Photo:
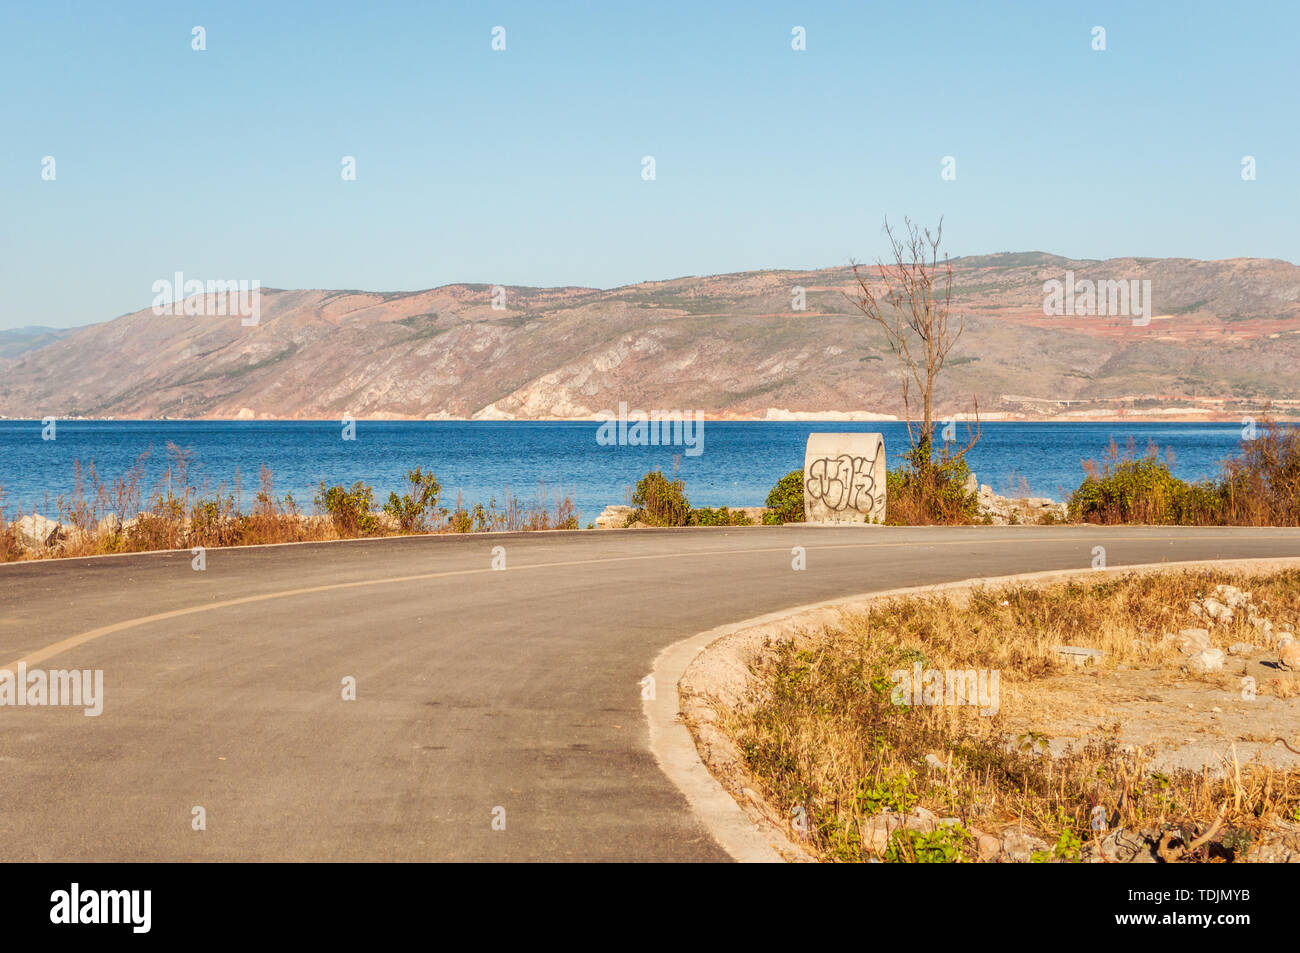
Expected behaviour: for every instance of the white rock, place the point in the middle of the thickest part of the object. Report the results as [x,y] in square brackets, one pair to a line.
[1233,596]
[613,517]
[1217,610]
[1210,660]
[37,532]
[877,831]
[1191,641]
[1018,845]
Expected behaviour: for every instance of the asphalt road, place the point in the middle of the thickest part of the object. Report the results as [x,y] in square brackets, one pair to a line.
[476,689]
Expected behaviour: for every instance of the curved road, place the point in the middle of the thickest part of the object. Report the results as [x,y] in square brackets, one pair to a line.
[476,689]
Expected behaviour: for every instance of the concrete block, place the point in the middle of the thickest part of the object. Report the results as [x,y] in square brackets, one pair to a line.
[844,478]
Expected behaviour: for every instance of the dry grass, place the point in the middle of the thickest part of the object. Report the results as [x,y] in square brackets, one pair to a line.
[124,515]
[825,734]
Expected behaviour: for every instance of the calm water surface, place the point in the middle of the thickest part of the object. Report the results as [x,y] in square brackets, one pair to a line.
[481,459]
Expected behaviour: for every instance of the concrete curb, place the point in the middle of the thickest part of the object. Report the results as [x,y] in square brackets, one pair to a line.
[675,747]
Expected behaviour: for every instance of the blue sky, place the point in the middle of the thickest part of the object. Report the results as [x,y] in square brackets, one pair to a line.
[524,166]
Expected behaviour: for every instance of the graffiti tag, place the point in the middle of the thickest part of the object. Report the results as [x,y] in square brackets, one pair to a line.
[844,482]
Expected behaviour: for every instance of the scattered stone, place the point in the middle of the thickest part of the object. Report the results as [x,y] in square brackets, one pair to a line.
[613,517]
[877,832]
[1242,648]
[1232,596]
[1289,656]
[986,845]
[1217,611]
[1210,660]
[1120,846]
[1005,510]
[76,536]
[1274,850]
[1019,846]
[1192,641]
[1079,655]
[38,532]
[934,763]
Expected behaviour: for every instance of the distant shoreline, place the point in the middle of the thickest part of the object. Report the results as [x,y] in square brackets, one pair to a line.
[830,417]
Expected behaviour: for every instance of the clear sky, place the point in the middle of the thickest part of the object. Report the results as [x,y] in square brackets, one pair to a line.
[524,166]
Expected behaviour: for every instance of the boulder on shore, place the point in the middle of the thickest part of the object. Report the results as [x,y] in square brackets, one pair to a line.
[38,532]
[1003,510]
[613,517]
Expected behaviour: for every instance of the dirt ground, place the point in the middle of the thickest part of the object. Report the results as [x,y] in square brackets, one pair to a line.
[1182,720]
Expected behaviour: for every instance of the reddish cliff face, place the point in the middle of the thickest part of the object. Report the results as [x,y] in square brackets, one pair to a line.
[725,345]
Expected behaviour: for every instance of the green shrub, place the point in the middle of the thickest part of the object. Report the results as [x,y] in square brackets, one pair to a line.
[413,510]
[351,510]
[707,516]
[213,522]
[461,520]
[1258,487]
[658,501]
[1125,489]
[785,500]
[943,845]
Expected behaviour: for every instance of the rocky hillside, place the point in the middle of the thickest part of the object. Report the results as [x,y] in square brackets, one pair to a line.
[726,345]
[16,341]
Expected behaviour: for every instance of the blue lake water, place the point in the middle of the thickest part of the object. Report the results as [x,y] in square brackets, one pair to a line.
[739,463]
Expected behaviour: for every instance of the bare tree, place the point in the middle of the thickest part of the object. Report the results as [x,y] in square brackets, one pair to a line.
[912,300]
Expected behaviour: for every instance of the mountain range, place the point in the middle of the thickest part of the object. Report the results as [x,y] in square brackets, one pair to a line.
[1224,338]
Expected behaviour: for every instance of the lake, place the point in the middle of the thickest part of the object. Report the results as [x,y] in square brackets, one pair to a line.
[738,464]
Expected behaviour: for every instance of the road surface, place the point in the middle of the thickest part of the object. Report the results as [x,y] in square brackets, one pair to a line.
[509,696]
